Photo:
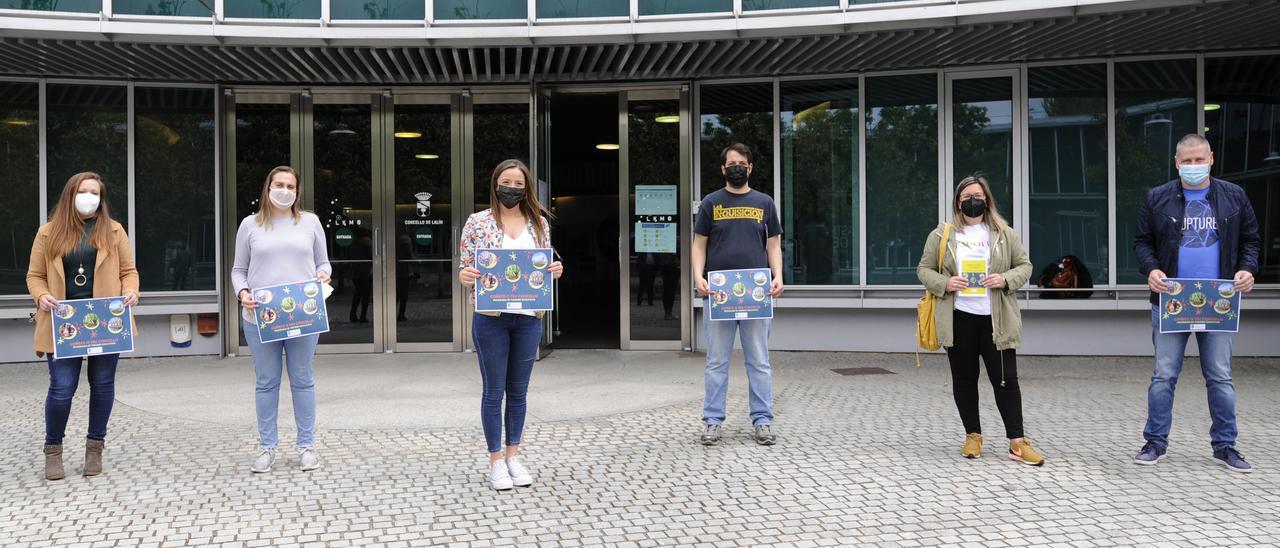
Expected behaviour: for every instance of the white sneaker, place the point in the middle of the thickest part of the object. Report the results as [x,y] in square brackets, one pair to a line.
[266,458]
[308,460]
[519,476]
[499,477]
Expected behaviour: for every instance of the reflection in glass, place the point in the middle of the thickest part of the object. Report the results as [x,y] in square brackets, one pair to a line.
[1067,110]
[1155,106]
[89,131]
[501,132]
[481,9]
[819,129]
[551,9]
[902,174]
[1242,119]
[186,8]
[20,213]
[343,190]
[78,6]
[273,9]
[982,135]
[667,7]
[736,113]
[423,224]
[262,143]
[174,189]
[406,10]
[752,5]
[653,159]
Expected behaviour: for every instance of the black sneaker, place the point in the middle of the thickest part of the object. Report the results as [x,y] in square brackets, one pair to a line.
[710,434]
[764,436]
[1232,459]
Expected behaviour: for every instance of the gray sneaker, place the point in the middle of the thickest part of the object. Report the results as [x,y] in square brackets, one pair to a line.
[710,434]
[764,435]
[266,458]
[308,460]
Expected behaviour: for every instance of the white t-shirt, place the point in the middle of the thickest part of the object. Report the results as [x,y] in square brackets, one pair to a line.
[523,241]
[973,243]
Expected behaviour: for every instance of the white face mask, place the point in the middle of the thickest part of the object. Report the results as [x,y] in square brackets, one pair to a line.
[87,203]
[282,197]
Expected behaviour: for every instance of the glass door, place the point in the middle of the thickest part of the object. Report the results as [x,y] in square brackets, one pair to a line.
[654,180]
[422,180]
[984,135]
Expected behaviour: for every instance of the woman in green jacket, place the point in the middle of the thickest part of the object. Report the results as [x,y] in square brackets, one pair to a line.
[977,315]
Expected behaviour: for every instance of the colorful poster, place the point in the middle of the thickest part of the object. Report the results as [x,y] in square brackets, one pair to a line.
[514,280]
[740,294]
[1199,305]
[89,327]
[656,199]
[289,311]
[973,270]
[655,237]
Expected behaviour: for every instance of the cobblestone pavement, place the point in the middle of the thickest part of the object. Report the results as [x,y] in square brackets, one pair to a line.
[861,460]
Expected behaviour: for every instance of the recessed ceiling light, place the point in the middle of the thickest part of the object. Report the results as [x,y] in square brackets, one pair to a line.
[408,134]
[18,122]
[667,119]
[607,146]
[1212,106]
[427,156]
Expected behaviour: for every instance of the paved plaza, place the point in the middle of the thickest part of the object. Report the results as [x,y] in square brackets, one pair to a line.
[611,440]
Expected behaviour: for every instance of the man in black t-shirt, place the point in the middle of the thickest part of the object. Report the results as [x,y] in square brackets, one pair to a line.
[736,228]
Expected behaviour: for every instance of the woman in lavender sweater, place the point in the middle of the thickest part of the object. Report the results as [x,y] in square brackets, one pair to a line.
[277,245]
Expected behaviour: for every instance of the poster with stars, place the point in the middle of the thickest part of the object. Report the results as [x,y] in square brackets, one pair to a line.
[1199,305]
[89,327]
[289,311]
[514,280]
[740,294]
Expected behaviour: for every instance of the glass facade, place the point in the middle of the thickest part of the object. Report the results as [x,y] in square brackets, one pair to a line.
[20,214]
[1242,97]
[402,10]
[272,9]
[982,135]
[185,8]
[79,6]
[753,5]
[174,189]
[820,160]
[88,130]
[902,174]
[481,9]
[672,7]
[1155,106]
[556,9]
[1067,114]
[736,113]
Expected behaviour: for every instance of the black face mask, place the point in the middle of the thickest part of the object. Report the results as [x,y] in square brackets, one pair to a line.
[973,207]
[736,175]
[510,196]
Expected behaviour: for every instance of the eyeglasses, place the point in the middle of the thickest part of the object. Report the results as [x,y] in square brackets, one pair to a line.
[731,164]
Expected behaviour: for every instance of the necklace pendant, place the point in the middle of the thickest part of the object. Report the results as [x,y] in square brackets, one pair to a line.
[80,278]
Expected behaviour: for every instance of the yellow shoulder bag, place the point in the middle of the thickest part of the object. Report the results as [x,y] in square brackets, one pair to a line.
[926,328]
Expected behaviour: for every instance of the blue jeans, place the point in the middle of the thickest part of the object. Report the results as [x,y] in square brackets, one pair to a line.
[267,364]
[506,347]
[1215,363]
[64,377]
[755,348]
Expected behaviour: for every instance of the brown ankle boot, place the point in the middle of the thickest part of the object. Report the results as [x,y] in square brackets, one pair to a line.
[93,457]
[53,462]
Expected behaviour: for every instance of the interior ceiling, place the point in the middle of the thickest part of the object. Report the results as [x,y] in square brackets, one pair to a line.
[1224,26]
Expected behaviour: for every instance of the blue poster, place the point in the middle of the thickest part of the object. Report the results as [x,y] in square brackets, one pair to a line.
[288,311]
[514,279]
[89,327]
[1199,305]
[740,294]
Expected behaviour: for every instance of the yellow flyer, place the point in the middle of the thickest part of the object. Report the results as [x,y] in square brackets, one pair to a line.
[973,270]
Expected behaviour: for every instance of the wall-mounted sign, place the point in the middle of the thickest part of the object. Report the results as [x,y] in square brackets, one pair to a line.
[656,200]
[655,237]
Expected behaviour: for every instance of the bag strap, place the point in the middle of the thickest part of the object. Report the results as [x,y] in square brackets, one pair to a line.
[942,245]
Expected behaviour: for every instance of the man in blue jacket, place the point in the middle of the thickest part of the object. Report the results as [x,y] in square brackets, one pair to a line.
[1195,227]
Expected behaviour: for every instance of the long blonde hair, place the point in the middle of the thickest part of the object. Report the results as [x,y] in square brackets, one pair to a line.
[992,216]
[531,208]
[265,206]
[65,225]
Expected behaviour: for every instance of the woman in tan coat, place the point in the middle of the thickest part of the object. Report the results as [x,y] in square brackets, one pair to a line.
[977,316]
[81,253]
